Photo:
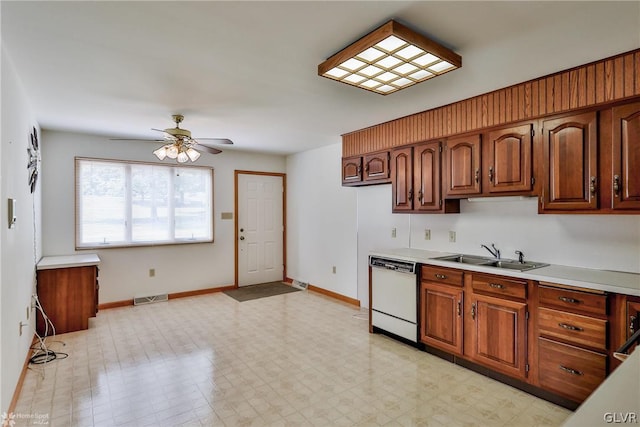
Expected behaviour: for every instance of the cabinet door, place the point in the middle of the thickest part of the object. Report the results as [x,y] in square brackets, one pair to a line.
[570,163]
[426,176]
[626,157]
[351,170]
[402,180]
[462,166]
[376,167]
[508,166]
[499,336]
[441,316]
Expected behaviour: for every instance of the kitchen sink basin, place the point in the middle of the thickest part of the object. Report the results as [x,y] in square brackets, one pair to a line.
[508,264]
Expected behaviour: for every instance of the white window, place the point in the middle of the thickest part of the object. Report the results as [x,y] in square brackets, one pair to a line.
[136,204]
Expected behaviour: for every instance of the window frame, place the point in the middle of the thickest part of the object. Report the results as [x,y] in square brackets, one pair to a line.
[79,246]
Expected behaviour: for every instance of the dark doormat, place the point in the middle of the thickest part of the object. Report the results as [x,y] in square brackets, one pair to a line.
[247,293]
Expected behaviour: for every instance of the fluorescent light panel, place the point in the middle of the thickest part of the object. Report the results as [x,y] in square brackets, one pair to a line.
[388,59]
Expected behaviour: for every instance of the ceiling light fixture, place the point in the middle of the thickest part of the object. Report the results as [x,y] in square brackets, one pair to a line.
[388,59]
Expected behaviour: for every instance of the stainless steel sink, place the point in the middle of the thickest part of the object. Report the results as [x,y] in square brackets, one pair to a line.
[508,264]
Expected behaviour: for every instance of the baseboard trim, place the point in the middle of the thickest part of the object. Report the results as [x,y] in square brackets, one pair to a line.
[18,390]
[128,302]
[334,295]
[200,292]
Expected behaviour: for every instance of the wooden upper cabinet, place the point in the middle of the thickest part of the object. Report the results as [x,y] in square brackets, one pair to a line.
[426,176]
[402,179]
[626,157]
[462,166]
[376,166]
[365,170]
[351,170]
[570,162]
[508,161]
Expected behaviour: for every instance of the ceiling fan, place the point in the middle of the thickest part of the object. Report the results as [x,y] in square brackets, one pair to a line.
[180,145]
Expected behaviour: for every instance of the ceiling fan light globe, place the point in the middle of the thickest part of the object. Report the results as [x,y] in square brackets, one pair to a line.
[182,157]
[161,153]
[193,154]
[172,151]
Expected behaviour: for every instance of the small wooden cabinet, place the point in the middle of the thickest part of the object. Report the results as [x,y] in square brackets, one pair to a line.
[494,163]
[68,293]
[371,168]
[625,153]
[572,341]
[570,163]
[508,167]
[441,297]
[497,324]
[462,166]
[416,180]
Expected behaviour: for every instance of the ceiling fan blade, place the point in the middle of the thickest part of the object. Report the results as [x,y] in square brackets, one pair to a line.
[136,139]
[158,130]
[210,150]
[216,140]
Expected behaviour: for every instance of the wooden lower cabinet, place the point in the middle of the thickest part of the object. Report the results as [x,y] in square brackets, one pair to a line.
[69,297]
[573,340]
[498,334]
[441,316]
[570,371]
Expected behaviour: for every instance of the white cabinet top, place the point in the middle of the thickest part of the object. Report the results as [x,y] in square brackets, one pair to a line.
[602,280]
[64,261]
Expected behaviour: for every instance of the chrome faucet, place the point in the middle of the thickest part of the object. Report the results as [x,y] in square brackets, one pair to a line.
[495,252]
[520,257]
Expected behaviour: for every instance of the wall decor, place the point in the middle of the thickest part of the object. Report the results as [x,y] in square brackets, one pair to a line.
[33,151]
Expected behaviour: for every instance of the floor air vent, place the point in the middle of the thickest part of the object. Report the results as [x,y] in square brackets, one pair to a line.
[150,299]
[300,285]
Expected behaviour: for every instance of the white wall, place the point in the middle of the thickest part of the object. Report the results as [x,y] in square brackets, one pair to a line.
[591,241]
[321,222]
[124,273]
[20,246]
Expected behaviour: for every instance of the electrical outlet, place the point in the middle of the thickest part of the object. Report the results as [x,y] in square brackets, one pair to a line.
[333,269]
[427,234]
[393,232]
[22,325]
[152,272]
[452,236]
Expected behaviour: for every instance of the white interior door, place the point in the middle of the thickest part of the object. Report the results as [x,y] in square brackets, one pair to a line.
[260,229]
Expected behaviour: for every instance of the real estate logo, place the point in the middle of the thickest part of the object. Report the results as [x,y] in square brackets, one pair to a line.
[8,420]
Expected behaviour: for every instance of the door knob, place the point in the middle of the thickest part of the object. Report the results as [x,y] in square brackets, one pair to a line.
[241,237]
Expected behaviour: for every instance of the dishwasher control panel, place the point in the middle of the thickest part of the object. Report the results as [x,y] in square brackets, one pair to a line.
[393,264]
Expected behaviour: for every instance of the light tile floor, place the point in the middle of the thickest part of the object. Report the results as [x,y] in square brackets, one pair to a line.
[299,359]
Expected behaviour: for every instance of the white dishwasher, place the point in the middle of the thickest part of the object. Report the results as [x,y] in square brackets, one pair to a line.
[394,297]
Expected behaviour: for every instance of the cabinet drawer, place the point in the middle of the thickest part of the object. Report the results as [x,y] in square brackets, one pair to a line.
[570,371]
[574,328]
[442,275]
[499,286]
[574,301]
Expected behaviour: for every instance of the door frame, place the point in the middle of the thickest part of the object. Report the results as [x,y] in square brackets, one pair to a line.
[235,219]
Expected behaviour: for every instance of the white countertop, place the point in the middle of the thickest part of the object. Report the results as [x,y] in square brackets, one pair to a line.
[64,261]
[602,280]
[617,397]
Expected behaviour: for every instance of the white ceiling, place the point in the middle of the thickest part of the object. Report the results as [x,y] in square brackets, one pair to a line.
[248,70]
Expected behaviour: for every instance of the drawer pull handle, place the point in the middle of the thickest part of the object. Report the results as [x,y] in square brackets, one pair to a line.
[496,285]
[571,371]
[571,300]
[570,327]
[441,276]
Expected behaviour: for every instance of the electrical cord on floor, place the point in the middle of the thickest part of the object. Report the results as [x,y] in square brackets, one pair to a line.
[41,353]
